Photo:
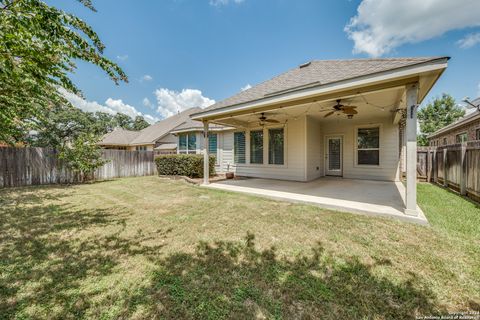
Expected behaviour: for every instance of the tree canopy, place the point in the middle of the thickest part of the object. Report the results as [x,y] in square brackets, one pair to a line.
[439,113]
[39,47]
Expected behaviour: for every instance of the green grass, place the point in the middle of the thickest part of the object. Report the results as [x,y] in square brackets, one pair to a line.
[147,248]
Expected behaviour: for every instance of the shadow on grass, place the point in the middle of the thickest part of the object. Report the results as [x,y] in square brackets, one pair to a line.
[43,263]
[235,280]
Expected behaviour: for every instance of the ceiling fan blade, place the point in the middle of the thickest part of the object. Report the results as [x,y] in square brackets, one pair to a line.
[329,114]
[349,107]
[329,109]
[350,111]
[272,120]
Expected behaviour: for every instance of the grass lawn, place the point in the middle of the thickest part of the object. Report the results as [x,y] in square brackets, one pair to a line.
[151,248]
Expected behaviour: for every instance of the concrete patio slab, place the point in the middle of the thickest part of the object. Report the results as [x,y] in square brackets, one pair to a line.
[379,198]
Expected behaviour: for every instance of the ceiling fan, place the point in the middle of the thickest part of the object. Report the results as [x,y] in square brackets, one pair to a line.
[263,119]
[348,110]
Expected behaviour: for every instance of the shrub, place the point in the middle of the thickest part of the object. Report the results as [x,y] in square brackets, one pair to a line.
[190,165]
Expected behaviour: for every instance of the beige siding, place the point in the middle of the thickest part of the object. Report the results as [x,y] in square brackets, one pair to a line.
[315,165]
[389,155]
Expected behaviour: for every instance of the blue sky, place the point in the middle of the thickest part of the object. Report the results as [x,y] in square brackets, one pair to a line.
[181,53]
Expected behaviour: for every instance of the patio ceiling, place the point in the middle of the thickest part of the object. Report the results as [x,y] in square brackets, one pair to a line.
[377,104]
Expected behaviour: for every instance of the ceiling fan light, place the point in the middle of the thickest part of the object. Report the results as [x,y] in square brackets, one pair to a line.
[350,116]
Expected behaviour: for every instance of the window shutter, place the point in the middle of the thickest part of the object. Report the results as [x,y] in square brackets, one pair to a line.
[239,147]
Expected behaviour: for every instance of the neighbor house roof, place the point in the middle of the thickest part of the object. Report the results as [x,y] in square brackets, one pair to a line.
[167,146]
[194,125]
[315,74]
[119,136]
[148,135]
[163,127]
[472,116]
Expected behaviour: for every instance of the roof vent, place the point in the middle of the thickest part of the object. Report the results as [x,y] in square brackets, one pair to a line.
[304,65]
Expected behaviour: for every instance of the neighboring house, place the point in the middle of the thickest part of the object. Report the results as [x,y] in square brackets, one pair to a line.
[463,130]
[156,137]
[190,140]
[345,118]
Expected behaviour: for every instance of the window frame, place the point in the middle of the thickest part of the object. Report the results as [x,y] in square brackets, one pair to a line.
[461,134]
[268,145]
[187,150]
[265,164]
[245,134]
[216,154]
[250,147]
[380,145]
[477,134]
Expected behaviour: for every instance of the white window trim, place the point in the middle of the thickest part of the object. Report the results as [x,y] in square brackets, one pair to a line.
[380,146]
[265,163]
[187,150]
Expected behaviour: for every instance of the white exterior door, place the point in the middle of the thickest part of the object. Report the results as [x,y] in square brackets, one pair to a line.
[334,156]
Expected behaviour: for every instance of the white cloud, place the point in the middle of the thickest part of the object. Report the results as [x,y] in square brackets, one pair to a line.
[147,77]
[382,25]
[217,3]
[146,102]
[122,57]
[111,106]
[171,102]
[469,40]
[248,86]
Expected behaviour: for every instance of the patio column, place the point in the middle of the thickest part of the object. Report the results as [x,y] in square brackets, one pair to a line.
[411,152]
[206,171]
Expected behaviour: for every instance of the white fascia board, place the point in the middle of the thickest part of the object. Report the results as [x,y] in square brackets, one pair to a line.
[323,89]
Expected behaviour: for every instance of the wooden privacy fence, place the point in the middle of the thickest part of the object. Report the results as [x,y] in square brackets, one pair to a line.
[36,166]
[454,166]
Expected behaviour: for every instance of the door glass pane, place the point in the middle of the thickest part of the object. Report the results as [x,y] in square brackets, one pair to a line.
[334,154]
[256,146]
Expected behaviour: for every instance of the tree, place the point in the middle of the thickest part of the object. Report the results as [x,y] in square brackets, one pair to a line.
[123,121]
[139,123]
[436,115]
[38,48]
[82,155]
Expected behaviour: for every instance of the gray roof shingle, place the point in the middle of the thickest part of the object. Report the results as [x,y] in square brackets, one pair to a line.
[316,73]
[119,136]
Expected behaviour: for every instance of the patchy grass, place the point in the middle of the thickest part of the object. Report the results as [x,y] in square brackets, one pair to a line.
[151,248]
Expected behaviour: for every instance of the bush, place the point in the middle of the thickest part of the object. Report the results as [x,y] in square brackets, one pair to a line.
[190,165]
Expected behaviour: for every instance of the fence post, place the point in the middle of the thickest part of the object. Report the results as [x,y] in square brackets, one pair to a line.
[463,170]
[435,165]
[429,165]
[445,173]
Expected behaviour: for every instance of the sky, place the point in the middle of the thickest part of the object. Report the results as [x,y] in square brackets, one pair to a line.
[190,53]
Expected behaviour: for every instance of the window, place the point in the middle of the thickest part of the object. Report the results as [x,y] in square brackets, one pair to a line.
[141,148]
[444,141]
[256,146]
[212,143]
[461,137]
[368,146]
[275,146]
[187,143]
[477,134]
[239,147]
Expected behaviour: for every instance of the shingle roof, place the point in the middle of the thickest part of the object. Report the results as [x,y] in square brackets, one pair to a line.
[119,136]
[166,146]
[316,73]
[148,135]
[190,124]
[163,127]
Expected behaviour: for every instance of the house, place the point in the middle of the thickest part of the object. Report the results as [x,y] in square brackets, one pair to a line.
[156,137]
[463,130]
[342,118]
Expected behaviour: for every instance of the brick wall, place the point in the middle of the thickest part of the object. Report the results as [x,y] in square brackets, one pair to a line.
[469,128]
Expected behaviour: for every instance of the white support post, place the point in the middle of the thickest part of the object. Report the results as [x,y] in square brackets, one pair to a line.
[411,146]
[206,171]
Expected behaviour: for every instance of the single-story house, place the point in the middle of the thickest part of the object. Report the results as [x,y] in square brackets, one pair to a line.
[343,118]
[157,137]
[463,130]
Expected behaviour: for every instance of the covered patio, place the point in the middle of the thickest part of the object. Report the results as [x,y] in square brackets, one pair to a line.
[382,198]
